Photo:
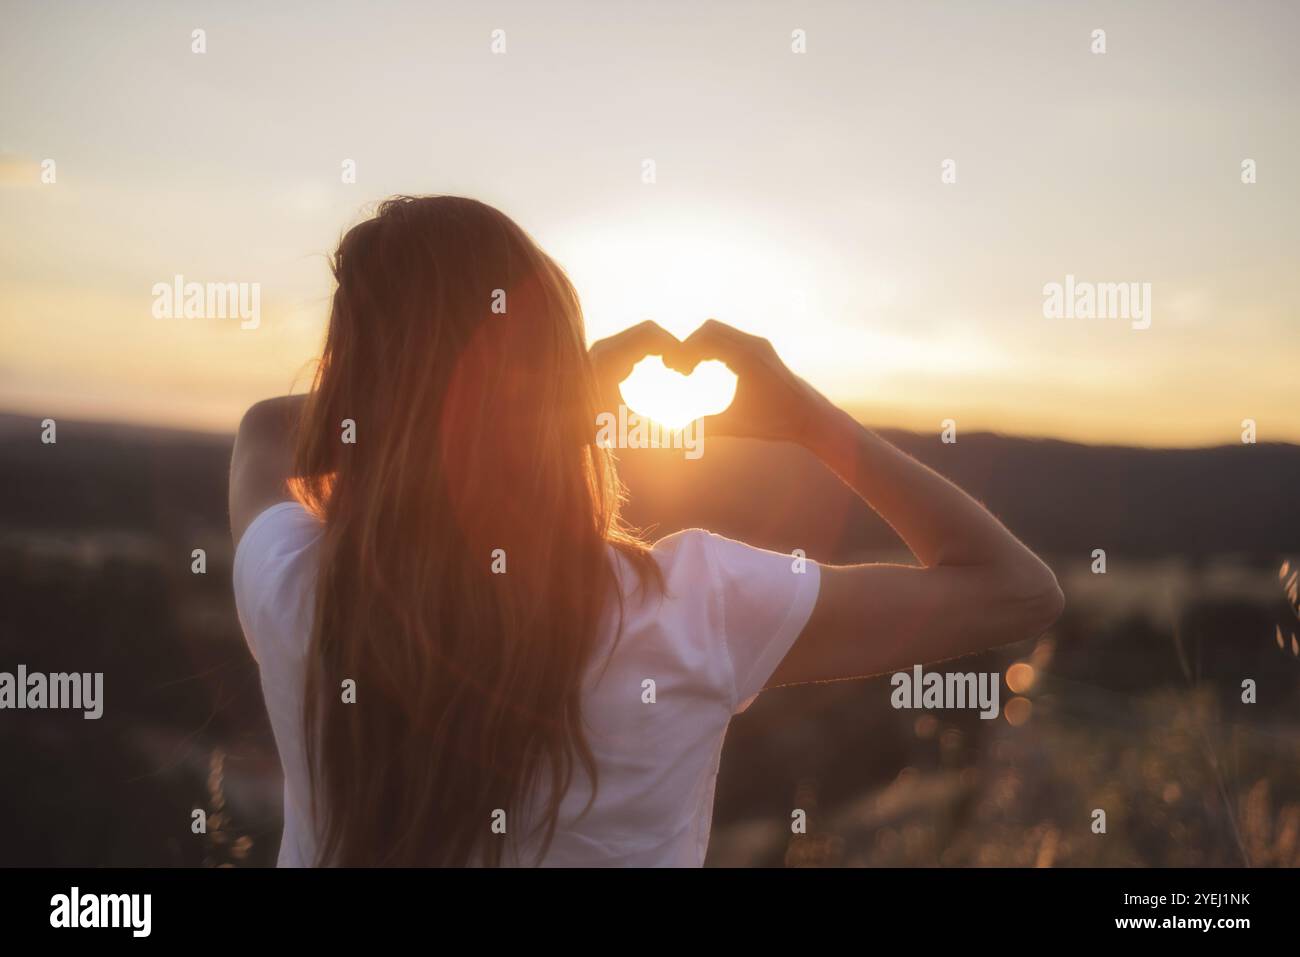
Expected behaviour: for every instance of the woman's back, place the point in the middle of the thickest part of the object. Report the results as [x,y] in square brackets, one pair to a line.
[659,691]
[467,656]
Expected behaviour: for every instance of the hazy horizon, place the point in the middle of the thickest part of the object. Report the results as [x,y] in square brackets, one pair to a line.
[796,195]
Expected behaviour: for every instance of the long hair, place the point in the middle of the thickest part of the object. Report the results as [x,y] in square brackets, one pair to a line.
[448,447]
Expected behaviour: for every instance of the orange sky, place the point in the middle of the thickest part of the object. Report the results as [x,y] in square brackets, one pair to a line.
[798,196]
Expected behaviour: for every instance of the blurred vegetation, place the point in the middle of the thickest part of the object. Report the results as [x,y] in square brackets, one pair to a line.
[1132,704]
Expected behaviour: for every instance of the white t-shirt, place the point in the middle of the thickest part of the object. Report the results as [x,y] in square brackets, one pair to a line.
[729,614]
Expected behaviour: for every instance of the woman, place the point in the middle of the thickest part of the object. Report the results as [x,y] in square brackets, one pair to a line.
[466,657]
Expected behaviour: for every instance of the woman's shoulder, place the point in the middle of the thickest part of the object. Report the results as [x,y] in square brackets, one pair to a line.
[704,549]
[274,573]
[688,541]
[687,557]
[739,603]
[698,551]
[280,529]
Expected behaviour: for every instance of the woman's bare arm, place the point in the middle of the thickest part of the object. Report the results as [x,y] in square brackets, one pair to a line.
[977,586]
[262,461]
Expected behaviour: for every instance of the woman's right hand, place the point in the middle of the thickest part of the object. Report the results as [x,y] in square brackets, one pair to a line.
[771,401]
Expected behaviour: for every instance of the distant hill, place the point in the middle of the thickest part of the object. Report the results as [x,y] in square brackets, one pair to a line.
[1061,497]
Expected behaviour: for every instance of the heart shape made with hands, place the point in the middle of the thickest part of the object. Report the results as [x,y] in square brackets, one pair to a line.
[654,391]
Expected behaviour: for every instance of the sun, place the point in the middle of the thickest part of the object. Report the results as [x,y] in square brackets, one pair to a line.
[656,392]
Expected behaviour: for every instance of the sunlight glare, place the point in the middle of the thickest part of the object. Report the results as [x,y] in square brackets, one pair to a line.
[656,392]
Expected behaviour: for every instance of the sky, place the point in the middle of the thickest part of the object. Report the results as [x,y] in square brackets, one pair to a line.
[799,196]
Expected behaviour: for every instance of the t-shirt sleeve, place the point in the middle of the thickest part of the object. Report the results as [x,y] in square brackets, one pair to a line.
[271,575]
[766,599]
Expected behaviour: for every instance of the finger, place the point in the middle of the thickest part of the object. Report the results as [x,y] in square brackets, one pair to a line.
[716,340]
[645,335]
[628,347]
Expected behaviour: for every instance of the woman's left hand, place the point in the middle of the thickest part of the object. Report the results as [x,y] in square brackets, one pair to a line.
[613,358]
